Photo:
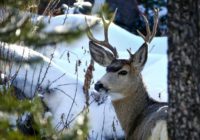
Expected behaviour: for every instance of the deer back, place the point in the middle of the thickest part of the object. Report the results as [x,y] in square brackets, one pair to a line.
[151,124]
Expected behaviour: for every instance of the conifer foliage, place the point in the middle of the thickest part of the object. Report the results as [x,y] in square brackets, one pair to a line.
[24,118]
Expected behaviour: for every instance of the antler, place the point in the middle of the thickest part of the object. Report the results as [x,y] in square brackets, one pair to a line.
[105,42]
[150,35]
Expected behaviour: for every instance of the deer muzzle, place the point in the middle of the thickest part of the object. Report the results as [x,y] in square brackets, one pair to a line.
[100,87]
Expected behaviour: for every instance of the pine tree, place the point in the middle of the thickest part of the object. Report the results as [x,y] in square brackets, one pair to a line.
[16,28]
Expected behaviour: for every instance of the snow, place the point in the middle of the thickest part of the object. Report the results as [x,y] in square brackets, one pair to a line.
[61,91]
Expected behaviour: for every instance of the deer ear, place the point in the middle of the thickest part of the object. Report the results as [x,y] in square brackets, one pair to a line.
[100,55]
[139,59]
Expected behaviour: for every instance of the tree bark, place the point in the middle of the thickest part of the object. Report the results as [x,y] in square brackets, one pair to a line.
[184,69]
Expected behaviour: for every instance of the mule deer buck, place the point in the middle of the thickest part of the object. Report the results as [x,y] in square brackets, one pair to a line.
[141,117]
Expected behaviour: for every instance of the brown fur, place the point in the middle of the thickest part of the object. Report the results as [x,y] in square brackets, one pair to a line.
[138,114]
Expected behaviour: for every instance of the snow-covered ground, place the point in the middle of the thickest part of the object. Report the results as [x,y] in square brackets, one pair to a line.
[64,80]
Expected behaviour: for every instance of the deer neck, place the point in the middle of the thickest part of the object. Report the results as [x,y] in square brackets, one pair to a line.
[130,107]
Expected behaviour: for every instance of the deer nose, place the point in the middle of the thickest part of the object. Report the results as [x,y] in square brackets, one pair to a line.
[98,86]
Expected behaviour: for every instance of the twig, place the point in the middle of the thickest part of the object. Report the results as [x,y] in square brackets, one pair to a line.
[66,15]
[114,129]
[152,48]
[38,81]
[73,100]
[66,84]
[47,8]
[46,70]
[65,94]
[11,65]
[57,79]
[32,81]
[15,75]
[69,122]
[103,121]
[60,123]
[25,79]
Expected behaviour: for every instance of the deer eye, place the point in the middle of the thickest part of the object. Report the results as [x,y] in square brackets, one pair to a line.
[123,72]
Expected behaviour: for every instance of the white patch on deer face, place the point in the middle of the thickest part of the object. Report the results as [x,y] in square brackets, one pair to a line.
[116,96]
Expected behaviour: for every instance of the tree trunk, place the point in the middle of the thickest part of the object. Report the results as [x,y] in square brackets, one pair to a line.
[184,69]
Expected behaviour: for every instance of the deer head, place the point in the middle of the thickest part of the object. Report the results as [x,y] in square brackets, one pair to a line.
[122,75]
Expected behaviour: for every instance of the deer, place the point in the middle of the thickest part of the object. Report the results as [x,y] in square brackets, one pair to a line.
[141,117]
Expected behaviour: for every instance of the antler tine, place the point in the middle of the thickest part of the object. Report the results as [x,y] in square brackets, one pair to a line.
[91,37]
[105,42]
[89,33]
[155,20]
[147,28]
[146,38]
[106,25]
[150,35]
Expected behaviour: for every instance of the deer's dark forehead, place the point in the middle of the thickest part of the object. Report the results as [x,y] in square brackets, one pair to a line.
[116,65]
